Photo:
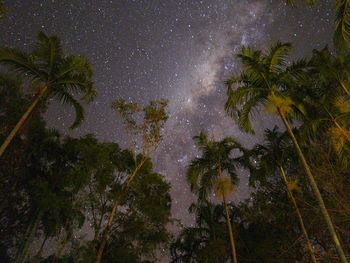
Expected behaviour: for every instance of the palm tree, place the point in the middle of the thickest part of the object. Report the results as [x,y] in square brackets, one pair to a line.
[322,97]
[266,81]
[331,70]
[52,74]
[275,155]
[206,173]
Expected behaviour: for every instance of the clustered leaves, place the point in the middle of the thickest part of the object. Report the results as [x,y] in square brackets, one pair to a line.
[144,124]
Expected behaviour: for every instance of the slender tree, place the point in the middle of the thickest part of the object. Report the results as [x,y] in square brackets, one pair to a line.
[149,132]
[206,173]
[272,157]
[52,75]
[265,81]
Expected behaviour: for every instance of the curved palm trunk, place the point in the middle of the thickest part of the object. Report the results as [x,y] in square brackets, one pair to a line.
[21,122]
[229,226]
[301,221]
[316,190]
[117,202]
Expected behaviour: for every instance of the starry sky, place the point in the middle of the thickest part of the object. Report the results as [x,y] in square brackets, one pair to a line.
[180,50]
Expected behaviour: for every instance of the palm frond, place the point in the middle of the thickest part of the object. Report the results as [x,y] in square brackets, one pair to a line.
[48,52]
[276,58]
[342,21]
[21,62]
[293,3]
[65,97]
[73,66]
[201,140]
[77,86]
[249,109]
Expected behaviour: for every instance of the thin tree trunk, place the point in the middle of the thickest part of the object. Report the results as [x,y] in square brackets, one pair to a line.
[317,193]
[117,202]
[344,88]
[228,221]
[42,246]
[301,221]
[21,122]
[25,237]
[24,253]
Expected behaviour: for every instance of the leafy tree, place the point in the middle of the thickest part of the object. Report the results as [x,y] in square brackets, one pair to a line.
[148,132]
[52,75]
[206,173]
[139,229]
[265,81]
[206,242]
[142,227]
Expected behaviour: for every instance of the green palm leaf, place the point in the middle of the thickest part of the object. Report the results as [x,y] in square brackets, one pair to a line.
[66,98]
[277,56]
[342,23]
[19,62]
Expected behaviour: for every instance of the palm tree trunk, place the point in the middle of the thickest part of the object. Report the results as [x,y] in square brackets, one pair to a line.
[228,221]
[317,193]
[23,119]
[24,253]
[301,221]
[117,202]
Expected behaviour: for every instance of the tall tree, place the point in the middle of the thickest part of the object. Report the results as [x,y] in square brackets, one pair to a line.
[52,75]
[265,81]
[272,157]
[206,173]
[148,131]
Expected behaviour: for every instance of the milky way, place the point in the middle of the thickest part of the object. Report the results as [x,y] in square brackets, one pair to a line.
[179,50]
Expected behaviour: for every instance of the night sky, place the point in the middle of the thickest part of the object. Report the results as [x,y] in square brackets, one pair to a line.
[180,50]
